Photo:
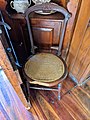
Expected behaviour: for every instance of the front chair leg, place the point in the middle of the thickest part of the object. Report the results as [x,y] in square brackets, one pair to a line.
[59,91]
[28,93]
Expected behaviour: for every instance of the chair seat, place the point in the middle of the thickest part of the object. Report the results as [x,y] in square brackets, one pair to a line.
[44,67]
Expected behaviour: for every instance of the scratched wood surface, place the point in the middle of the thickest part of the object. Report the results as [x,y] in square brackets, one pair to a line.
[73,106]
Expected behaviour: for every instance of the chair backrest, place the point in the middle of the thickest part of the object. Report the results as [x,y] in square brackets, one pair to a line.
[46,7]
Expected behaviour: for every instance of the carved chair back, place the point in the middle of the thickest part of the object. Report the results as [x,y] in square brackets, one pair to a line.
[47,7]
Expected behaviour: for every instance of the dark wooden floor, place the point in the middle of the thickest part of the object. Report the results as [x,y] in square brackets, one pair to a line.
[73,106]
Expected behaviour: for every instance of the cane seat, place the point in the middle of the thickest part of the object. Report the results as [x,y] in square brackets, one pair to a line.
[44,67]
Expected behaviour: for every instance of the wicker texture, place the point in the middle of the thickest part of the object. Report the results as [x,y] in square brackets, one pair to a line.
[44,67]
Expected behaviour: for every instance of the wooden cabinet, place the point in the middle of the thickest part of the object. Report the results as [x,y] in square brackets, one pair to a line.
[46,32]
[46,26]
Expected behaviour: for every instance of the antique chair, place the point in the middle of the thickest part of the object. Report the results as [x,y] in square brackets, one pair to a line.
[46,69]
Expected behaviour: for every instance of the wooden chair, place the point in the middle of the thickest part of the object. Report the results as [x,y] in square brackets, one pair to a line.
[46,69]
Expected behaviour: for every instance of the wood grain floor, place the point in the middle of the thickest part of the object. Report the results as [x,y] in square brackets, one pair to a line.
[73,106]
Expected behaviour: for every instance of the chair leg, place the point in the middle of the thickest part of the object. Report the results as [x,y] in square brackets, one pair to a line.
[28,92]
[59,91]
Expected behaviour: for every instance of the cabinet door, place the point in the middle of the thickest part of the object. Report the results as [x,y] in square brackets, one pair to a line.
[46,33]
[46,29]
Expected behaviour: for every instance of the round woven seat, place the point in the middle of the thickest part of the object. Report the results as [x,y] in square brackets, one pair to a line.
[44,67]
